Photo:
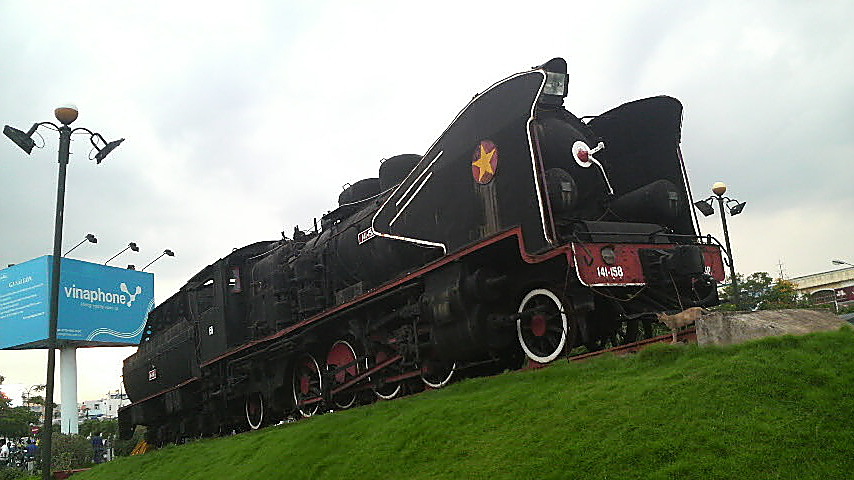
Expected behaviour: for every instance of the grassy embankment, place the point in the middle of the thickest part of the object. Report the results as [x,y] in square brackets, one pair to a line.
[777,408]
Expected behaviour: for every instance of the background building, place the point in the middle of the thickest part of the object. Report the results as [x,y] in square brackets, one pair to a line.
[835,286]
[105,408]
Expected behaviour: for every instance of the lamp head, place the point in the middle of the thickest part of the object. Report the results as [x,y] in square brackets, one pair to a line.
[169,252]
[719,188]
[131,267]
[20,138]
[704,207]
[133,246]
[66,114]
[737,208]
[102,153]
[91,238]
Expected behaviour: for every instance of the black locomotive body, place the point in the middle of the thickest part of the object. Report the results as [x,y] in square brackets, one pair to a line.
[522,233]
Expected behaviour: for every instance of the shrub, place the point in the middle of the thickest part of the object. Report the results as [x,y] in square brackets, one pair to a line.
[11,473]
[122,448]
[71,451]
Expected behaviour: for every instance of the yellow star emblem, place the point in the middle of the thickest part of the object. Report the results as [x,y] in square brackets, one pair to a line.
[484,163]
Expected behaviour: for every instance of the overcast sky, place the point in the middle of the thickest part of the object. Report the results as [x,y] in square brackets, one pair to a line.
[243,119]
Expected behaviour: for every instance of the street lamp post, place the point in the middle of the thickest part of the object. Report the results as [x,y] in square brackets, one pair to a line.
[705,207]
[841,262]
[66,115]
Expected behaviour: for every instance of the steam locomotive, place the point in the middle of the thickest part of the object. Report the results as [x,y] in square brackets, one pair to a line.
[522,233]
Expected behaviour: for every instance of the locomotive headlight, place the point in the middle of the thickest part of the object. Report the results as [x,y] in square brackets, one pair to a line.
[608,255]
[556,84]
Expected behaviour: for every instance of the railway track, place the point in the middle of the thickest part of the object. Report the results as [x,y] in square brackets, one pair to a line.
[684,336]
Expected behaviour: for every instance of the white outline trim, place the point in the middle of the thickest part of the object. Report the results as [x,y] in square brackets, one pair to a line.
[578,274]
[415,194]
[427,169]
[444,247]
[537,186]
[533,356]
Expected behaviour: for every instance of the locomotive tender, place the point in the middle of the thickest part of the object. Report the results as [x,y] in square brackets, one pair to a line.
[522,233]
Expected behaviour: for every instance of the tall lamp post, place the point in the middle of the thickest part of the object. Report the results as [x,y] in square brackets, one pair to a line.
[734,207]
[66,115]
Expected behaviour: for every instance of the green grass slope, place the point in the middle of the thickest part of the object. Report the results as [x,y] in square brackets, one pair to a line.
[777,408]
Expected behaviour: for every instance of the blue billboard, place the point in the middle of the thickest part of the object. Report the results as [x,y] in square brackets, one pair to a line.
[98,304]
[24,302]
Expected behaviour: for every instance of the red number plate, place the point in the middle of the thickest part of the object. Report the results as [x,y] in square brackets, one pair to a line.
[627,269]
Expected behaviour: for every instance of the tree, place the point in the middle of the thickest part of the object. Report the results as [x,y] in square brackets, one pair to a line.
[15,421]
[759,291]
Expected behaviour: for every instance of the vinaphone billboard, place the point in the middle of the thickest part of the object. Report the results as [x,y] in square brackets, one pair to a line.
[99,305]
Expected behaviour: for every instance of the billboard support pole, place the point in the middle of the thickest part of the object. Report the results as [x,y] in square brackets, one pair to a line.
[68,385]
[47,437]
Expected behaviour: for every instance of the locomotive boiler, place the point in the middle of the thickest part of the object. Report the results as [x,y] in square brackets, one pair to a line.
[522,233]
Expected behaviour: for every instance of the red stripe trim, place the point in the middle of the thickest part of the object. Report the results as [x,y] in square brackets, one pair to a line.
[176,387]
[516,231]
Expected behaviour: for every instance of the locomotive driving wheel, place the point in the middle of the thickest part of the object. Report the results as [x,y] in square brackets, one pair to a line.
[254,408]
[383,390]
[542,326]
[307,384]
[436,373]
[342,357]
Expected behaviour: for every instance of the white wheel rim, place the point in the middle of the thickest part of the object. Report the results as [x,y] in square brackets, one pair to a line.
[378,394]
[443,382]
[353,352]
[312,411]
[389,396]
[533,356]
[254,426]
